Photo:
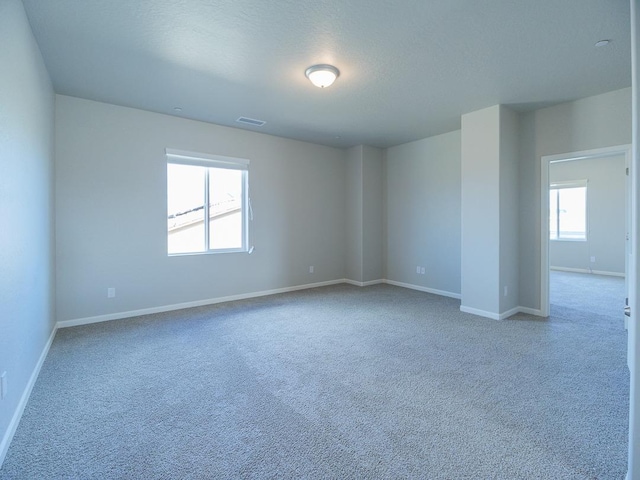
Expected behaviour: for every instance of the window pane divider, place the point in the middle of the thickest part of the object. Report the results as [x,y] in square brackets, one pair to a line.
[207,222]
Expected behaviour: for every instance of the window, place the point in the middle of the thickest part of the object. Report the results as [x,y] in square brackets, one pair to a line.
[214,188]
[568,211]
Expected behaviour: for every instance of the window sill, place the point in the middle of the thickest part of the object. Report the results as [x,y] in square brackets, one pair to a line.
[584,240]
[209,252]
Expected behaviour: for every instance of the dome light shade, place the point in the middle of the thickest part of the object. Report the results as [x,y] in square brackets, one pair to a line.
[322,75]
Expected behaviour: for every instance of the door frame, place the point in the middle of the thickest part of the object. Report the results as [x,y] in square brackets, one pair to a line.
[547,160]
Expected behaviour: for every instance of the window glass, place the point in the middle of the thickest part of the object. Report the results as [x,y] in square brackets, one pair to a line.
[207,203]
[553,213]
[225,208]
[572,213]
[568,213]
[185,208]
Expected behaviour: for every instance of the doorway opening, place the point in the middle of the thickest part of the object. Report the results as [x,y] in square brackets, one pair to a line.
[585,220]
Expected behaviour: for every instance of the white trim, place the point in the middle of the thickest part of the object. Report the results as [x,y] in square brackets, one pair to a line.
[442,293]
[584,270]
[197,303]
[633,272]
[17,414]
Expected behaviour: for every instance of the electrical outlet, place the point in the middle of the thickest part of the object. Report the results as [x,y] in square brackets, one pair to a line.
[3,385]
[418,270]
[311,268]
[111,292]
[422,270]
[593,259]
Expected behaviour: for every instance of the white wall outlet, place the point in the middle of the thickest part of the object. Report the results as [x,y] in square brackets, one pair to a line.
[3,385]
[111,292]
[311,268]
[506,290]
[593,259]
[422,270]
[418,270]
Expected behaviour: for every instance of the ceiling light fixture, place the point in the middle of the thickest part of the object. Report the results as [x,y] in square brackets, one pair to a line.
[602,43]
[322,75]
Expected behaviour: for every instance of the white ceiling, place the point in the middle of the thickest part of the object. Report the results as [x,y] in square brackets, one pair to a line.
[409,68]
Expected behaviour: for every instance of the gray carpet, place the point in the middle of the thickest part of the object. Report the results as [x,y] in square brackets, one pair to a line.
[582,292]
[335,382]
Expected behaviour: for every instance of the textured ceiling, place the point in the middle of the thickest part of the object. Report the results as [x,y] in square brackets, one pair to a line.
[409,69]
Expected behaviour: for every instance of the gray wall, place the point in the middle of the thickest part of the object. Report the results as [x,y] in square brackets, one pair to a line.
[97,147]
[364,214]
[509,220]
[481,210]
[423,212]
[372,214]
[593,122]
[111,211]
[420,174]
[353,209]
[605,215]
[26,207]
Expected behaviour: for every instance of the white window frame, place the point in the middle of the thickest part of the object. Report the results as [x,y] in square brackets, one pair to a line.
[571,184]
[184,157]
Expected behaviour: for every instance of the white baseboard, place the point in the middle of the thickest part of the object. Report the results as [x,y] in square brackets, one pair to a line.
[584,270]
[480,313]
[531,311]
[230,298]
[198,303]
[508,313]
[503,315]
[420,288]
[211,301]
[364,284]
[17,414]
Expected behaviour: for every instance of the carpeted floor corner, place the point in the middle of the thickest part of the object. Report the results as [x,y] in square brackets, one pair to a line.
[336,382]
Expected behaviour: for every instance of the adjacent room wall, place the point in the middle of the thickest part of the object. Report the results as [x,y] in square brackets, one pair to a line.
[606,221]
[111,212]
[26,210]
[422,191]
[590,123]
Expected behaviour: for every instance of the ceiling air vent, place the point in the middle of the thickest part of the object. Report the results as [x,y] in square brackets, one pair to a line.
[251,121]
